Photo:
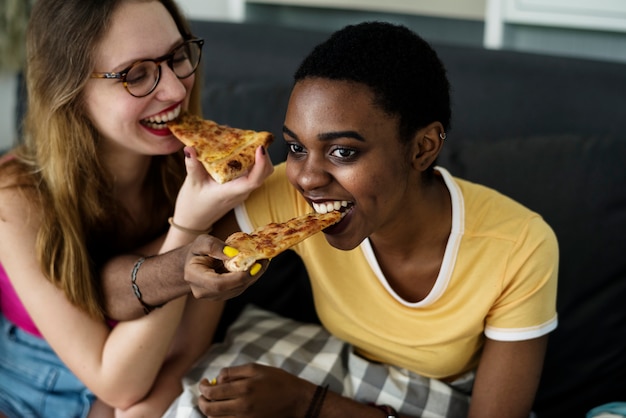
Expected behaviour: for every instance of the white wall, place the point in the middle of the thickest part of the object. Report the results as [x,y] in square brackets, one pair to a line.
[213,9]
[465,9]
[8,90]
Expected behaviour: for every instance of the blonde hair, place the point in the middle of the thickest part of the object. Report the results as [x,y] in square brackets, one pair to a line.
[60,150]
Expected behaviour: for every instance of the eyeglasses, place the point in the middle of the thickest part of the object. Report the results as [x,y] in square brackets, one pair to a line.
[141,78]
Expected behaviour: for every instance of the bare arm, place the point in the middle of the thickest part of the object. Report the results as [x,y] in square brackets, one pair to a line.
[258,391]
[97,355]
[195,268]
[507,378]
[192,339]
[159,280]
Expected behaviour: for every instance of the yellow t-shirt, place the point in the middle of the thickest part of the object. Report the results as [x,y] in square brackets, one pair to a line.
[498,279]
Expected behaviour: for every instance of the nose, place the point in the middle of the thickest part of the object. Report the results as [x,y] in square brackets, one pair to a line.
[170,87]
[311,175]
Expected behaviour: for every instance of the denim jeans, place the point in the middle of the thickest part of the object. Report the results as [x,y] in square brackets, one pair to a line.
[34,382]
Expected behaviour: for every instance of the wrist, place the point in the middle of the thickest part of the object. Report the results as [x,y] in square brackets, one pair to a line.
[191,231]
[147,308]
[315,406]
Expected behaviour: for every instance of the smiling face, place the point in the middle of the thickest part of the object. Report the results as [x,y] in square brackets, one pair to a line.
[139,30]
[344,148]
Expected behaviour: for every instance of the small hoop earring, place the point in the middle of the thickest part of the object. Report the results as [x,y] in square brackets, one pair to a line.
[443,135]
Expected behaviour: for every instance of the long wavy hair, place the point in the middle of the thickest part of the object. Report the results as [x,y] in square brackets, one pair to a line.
[58,158]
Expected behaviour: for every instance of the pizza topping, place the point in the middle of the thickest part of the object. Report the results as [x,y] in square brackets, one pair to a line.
[234,164]
[225,152]
[270,240]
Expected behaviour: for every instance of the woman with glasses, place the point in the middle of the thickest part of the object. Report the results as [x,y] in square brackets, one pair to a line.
[98,176]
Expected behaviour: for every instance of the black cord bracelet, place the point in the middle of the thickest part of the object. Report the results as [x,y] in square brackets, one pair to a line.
[316,403]
[147,308]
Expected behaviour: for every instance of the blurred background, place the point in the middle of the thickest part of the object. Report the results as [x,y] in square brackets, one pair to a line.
[589,29]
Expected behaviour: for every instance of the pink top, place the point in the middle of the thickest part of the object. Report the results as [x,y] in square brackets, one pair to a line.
[12,307]
[10,304]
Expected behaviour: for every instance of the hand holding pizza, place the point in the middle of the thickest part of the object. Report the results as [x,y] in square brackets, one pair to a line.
[224,164]
[202,201]
[208,278]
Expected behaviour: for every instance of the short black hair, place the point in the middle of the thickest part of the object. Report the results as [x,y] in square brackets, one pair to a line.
[404,72]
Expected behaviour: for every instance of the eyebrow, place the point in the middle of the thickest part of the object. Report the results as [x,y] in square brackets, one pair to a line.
[129,63]
[328,136]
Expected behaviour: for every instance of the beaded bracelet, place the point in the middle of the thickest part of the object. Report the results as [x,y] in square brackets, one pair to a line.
[147,308]
[316,403]
[389,411]
[189,230]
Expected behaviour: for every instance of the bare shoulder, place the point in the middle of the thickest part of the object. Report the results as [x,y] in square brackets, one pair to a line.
[20,204]
[20,221]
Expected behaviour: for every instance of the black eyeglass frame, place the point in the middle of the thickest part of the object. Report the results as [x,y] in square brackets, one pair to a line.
[169,58]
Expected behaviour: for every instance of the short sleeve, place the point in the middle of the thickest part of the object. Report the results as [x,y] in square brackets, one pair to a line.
[526,307]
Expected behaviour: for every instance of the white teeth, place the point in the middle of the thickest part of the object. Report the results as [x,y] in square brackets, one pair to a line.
[163,118]
[329,206]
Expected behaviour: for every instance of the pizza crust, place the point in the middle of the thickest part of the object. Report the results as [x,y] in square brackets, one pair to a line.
[270,240]
[225,152]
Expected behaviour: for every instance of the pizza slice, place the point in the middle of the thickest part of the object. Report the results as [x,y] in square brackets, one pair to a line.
[270,240]
[225,152]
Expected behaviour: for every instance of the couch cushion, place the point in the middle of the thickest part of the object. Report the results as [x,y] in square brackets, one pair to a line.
[506,94]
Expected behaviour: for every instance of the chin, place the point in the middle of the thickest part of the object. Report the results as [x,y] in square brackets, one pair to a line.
[341,244]
[171,146]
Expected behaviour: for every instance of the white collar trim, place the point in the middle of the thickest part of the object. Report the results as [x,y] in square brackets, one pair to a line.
[449,258]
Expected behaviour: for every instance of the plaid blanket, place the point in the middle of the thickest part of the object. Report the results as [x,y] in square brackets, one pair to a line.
[310,352]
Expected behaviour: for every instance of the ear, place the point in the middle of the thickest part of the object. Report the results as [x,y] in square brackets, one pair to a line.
[427,144]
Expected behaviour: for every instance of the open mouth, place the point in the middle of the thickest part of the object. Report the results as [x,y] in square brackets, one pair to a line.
[325,207]
[158,122]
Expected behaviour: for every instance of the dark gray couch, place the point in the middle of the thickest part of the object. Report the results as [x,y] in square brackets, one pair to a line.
[550,132]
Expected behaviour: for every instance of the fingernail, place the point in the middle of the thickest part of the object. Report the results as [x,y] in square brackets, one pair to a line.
[187,155]
[213,381]
[230,251]
[255,269]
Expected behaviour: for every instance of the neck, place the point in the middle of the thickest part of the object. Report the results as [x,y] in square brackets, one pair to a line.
[128,171]
[425,225]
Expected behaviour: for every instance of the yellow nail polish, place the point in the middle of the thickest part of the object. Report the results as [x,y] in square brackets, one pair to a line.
[230,251]
[255,269]
[213,381]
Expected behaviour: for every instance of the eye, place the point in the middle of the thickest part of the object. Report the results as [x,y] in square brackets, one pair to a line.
[295,148]
[181,54]
[343,153]
[139,73]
